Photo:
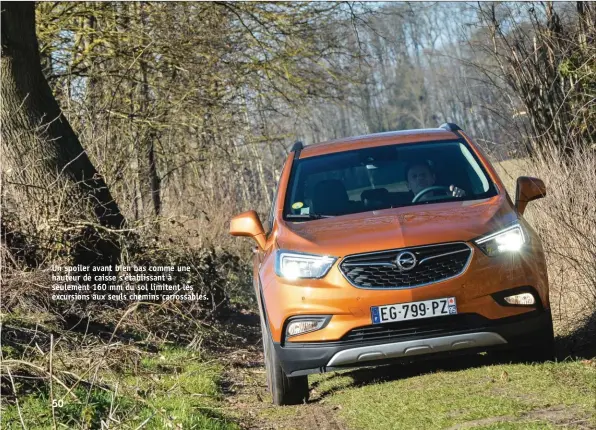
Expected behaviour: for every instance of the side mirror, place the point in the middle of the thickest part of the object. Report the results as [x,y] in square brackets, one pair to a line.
[248,224]
[528,189]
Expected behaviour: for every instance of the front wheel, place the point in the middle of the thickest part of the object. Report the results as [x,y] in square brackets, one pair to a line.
[285,390]
[541,349]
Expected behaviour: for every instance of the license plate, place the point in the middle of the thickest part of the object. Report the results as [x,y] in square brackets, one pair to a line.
[414,310]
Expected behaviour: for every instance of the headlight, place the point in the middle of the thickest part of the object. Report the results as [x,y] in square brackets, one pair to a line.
[510,239]
[291,265]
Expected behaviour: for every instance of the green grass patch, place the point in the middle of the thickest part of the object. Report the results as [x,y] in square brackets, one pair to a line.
[173,389]
[534,425]
[520,394]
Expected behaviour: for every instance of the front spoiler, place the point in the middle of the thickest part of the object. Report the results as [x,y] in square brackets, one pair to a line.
[305,358]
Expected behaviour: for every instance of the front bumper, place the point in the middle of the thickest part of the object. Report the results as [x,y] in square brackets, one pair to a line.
[476,334]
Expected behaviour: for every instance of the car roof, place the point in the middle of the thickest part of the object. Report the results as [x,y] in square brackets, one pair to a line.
[377,139]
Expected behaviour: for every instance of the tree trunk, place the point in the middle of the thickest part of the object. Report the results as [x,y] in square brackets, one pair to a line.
[150,186]
[47,174]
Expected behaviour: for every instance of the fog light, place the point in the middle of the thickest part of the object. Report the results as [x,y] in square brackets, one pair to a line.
[302,326]
[521,299]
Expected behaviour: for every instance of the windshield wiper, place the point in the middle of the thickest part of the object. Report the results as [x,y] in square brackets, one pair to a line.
[307,216]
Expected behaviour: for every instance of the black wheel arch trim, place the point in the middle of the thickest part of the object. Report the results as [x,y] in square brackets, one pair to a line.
[263,307]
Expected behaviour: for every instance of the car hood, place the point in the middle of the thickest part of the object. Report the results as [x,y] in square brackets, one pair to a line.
[397,227]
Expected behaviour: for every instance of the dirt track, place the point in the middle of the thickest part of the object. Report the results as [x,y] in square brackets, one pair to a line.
[245,388]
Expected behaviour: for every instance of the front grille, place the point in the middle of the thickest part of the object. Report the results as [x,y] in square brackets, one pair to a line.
[434,263]
[401,330]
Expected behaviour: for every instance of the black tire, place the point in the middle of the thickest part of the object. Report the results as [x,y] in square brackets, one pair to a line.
[284,390]
[540,350]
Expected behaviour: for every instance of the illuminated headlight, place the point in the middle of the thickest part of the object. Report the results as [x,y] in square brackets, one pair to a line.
[510,239]
[305,325]
[295,266]
[521,299]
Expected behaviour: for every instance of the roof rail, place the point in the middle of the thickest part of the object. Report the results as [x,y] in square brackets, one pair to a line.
[450,126]
[296,148]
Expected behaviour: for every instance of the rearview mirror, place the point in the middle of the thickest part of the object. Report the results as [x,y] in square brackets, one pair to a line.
[528,189]
[248,224]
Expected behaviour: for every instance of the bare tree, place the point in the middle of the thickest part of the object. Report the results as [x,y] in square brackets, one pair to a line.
[47,174]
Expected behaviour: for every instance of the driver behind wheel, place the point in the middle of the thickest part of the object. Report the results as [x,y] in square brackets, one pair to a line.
[420,176]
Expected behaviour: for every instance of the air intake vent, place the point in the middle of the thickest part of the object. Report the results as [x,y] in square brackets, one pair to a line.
[407,267]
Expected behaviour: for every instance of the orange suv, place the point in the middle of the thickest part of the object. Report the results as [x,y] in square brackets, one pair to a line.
[390,246]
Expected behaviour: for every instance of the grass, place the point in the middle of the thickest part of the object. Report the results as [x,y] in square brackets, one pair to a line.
[496,396]
[175,388]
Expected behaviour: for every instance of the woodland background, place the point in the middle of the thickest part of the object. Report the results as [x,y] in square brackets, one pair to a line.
[186,111]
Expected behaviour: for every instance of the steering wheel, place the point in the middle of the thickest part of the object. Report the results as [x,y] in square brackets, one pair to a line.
[428,190]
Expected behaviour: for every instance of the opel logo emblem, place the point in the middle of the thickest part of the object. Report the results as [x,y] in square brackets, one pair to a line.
[405,261]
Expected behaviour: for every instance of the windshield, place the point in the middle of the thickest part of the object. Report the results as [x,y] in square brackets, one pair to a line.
[384,177]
